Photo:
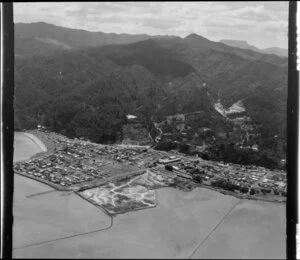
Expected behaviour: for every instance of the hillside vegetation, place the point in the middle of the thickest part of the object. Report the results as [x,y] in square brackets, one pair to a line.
[87,90]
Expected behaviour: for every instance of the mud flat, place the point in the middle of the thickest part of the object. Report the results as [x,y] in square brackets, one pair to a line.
[198,224]
[173,229]
[55,215]
[254,229]
[201,223]
[27,187]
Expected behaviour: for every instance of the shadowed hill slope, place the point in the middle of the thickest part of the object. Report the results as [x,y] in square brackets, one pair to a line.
[87,92]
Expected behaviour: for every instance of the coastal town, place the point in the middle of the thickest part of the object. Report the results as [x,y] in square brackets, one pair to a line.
[79,165]
[149,129]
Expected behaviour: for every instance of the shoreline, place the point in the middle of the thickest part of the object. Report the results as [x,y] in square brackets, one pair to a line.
[44,145]
[239,196]
[39,143]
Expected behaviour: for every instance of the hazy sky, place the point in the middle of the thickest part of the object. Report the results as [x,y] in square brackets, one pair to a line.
[263,24]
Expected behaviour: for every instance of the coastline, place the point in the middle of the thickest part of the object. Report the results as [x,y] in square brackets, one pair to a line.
[37,141]
[47,145]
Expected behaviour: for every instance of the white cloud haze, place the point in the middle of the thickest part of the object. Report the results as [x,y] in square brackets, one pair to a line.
[263,24]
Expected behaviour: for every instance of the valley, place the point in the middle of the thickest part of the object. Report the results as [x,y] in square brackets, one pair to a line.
[150,130]
[154,79]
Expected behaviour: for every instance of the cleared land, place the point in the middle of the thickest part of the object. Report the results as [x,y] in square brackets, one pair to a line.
[127,195]
[201,223]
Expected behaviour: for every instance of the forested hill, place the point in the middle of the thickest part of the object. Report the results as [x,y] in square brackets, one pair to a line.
[88,91]
[244,45]
[32,39]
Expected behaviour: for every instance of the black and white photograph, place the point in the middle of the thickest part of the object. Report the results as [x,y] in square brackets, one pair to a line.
[150,130]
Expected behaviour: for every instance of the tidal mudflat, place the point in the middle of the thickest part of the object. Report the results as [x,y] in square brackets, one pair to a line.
[201,223]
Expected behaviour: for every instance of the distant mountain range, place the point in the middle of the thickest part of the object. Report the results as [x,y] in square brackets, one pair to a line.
[43,39]
[245,45]
[83,83]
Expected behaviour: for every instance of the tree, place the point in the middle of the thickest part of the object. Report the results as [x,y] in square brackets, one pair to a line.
[165,146]
[244,189]
[197,178]
[183,148]
[169,167]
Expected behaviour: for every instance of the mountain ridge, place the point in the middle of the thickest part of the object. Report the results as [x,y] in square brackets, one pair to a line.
[245,45]
[42,38]
[37,34]
[153,79]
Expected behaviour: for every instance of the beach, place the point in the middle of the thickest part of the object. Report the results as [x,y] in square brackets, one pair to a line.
[26,145]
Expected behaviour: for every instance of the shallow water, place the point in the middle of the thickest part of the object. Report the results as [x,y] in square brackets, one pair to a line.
[25,147]
[197,224]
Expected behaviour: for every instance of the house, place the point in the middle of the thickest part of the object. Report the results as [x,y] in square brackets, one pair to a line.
[132,119]
[168,160]
[180,127]
[177,118]
[129,117]
[254,147]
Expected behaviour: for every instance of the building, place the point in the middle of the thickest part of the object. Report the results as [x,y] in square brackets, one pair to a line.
[168,160]
[177,118]
[132,119]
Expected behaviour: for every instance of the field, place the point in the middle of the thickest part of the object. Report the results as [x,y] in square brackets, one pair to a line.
[126,195]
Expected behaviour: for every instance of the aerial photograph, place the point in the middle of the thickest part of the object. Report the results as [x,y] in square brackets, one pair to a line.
[150,130]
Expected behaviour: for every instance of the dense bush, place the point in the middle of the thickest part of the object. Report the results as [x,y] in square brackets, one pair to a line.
[183,148]
[89,92]
[264,191]
[197,178]
[244,189]
[252,191]
[165,146]
[224,184]
[197,171]
[204,156]
[229,153]
[169,167]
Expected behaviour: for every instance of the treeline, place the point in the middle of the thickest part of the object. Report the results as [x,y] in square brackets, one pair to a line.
[228,153]
[88,93]
[232,154]
[227,185]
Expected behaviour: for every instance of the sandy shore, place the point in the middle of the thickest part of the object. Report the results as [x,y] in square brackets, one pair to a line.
[27,145]
[37,141]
